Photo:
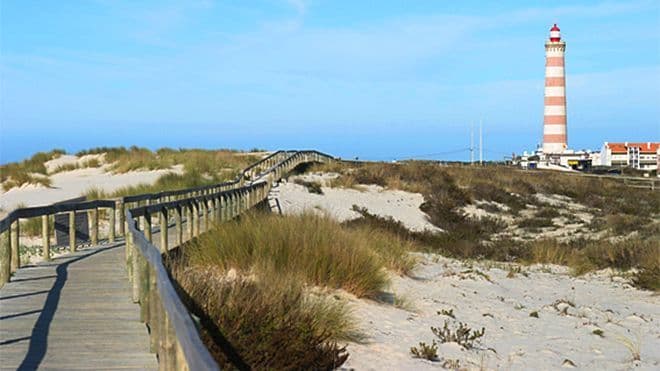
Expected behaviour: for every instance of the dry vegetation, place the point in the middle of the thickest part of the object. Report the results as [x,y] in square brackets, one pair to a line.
[629,219]
[265,281]
[200,167]
[30,171]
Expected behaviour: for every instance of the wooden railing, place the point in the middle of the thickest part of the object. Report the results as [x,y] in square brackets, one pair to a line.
[10,230]
[10,225]
[173,334]
[170,325]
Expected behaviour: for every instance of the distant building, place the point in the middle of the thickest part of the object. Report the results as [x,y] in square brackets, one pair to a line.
[636,155]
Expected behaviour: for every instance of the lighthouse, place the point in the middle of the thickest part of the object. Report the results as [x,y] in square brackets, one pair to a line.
[554,110]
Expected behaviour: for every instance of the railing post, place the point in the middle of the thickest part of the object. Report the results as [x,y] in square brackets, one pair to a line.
[127,232]
[72,231]
[223,208]
[122,217]
[154,309]
[15,246]
[164,247]
[190,222]
[45,235]
[147,225]
[196,221]
[95,226]
[179,227]
[137,275]
[218,209]
[205,214]
[111,236]
[5,257]
[145,289]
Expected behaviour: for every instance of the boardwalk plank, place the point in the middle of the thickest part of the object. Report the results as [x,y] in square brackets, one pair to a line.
[75,313]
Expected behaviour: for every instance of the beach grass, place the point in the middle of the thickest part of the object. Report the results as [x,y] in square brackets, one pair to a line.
[266,282]
[29,171]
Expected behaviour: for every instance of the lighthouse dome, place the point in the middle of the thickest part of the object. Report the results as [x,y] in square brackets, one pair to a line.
[555,36]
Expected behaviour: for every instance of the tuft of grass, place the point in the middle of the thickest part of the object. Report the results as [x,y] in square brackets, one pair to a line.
[462,335]
[633,346]
[312,187]
[425,351]
[448,313]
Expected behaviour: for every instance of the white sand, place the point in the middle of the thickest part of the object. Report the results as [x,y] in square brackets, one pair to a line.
[338,202]
[513,339]
[71,184]
[481,295]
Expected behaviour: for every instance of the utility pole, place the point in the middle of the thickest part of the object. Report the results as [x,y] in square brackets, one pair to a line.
[471,143]
[481,143]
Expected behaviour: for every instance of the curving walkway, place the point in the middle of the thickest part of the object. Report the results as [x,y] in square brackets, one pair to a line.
[74,312]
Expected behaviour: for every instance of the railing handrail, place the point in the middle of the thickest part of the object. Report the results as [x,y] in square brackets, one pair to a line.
[35,211]
[196,353]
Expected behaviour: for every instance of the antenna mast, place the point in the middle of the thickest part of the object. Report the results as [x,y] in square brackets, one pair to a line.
[481,143]
[471,143]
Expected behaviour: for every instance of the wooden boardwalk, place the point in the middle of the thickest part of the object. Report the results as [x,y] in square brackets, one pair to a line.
[74,312]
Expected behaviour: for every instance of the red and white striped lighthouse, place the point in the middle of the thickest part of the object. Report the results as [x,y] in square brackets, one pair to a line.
[554,112]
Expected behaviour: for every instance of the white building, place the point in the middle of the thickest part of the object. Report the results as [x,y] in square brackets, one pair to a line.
[637,155]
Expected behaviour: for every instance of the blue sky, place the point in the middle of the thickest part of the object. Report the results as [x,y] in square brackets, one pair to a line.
[374,79]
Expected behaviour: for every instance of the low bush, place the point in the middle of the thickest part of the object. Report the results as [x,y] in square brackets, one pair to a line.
[312,187]
[462,335]
[536,222]
[425,351]
[547,213]
[269,321]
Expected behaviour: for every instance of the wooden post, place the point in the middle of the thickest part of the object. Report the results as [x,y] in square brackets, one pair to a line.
[205,215]
[179,227]
[144,288]
[127,232]
[122,217]
[218,210]
[111,235]
[191,224]
[45,235]
[164,247]
[5,257]
[154,307]
[147,226]
[94,213]
[195,218]
[72,231]
[15,247]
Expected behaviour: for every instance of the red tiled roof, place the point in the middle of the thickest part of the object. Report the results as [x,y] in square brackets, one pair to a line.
[644,147]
